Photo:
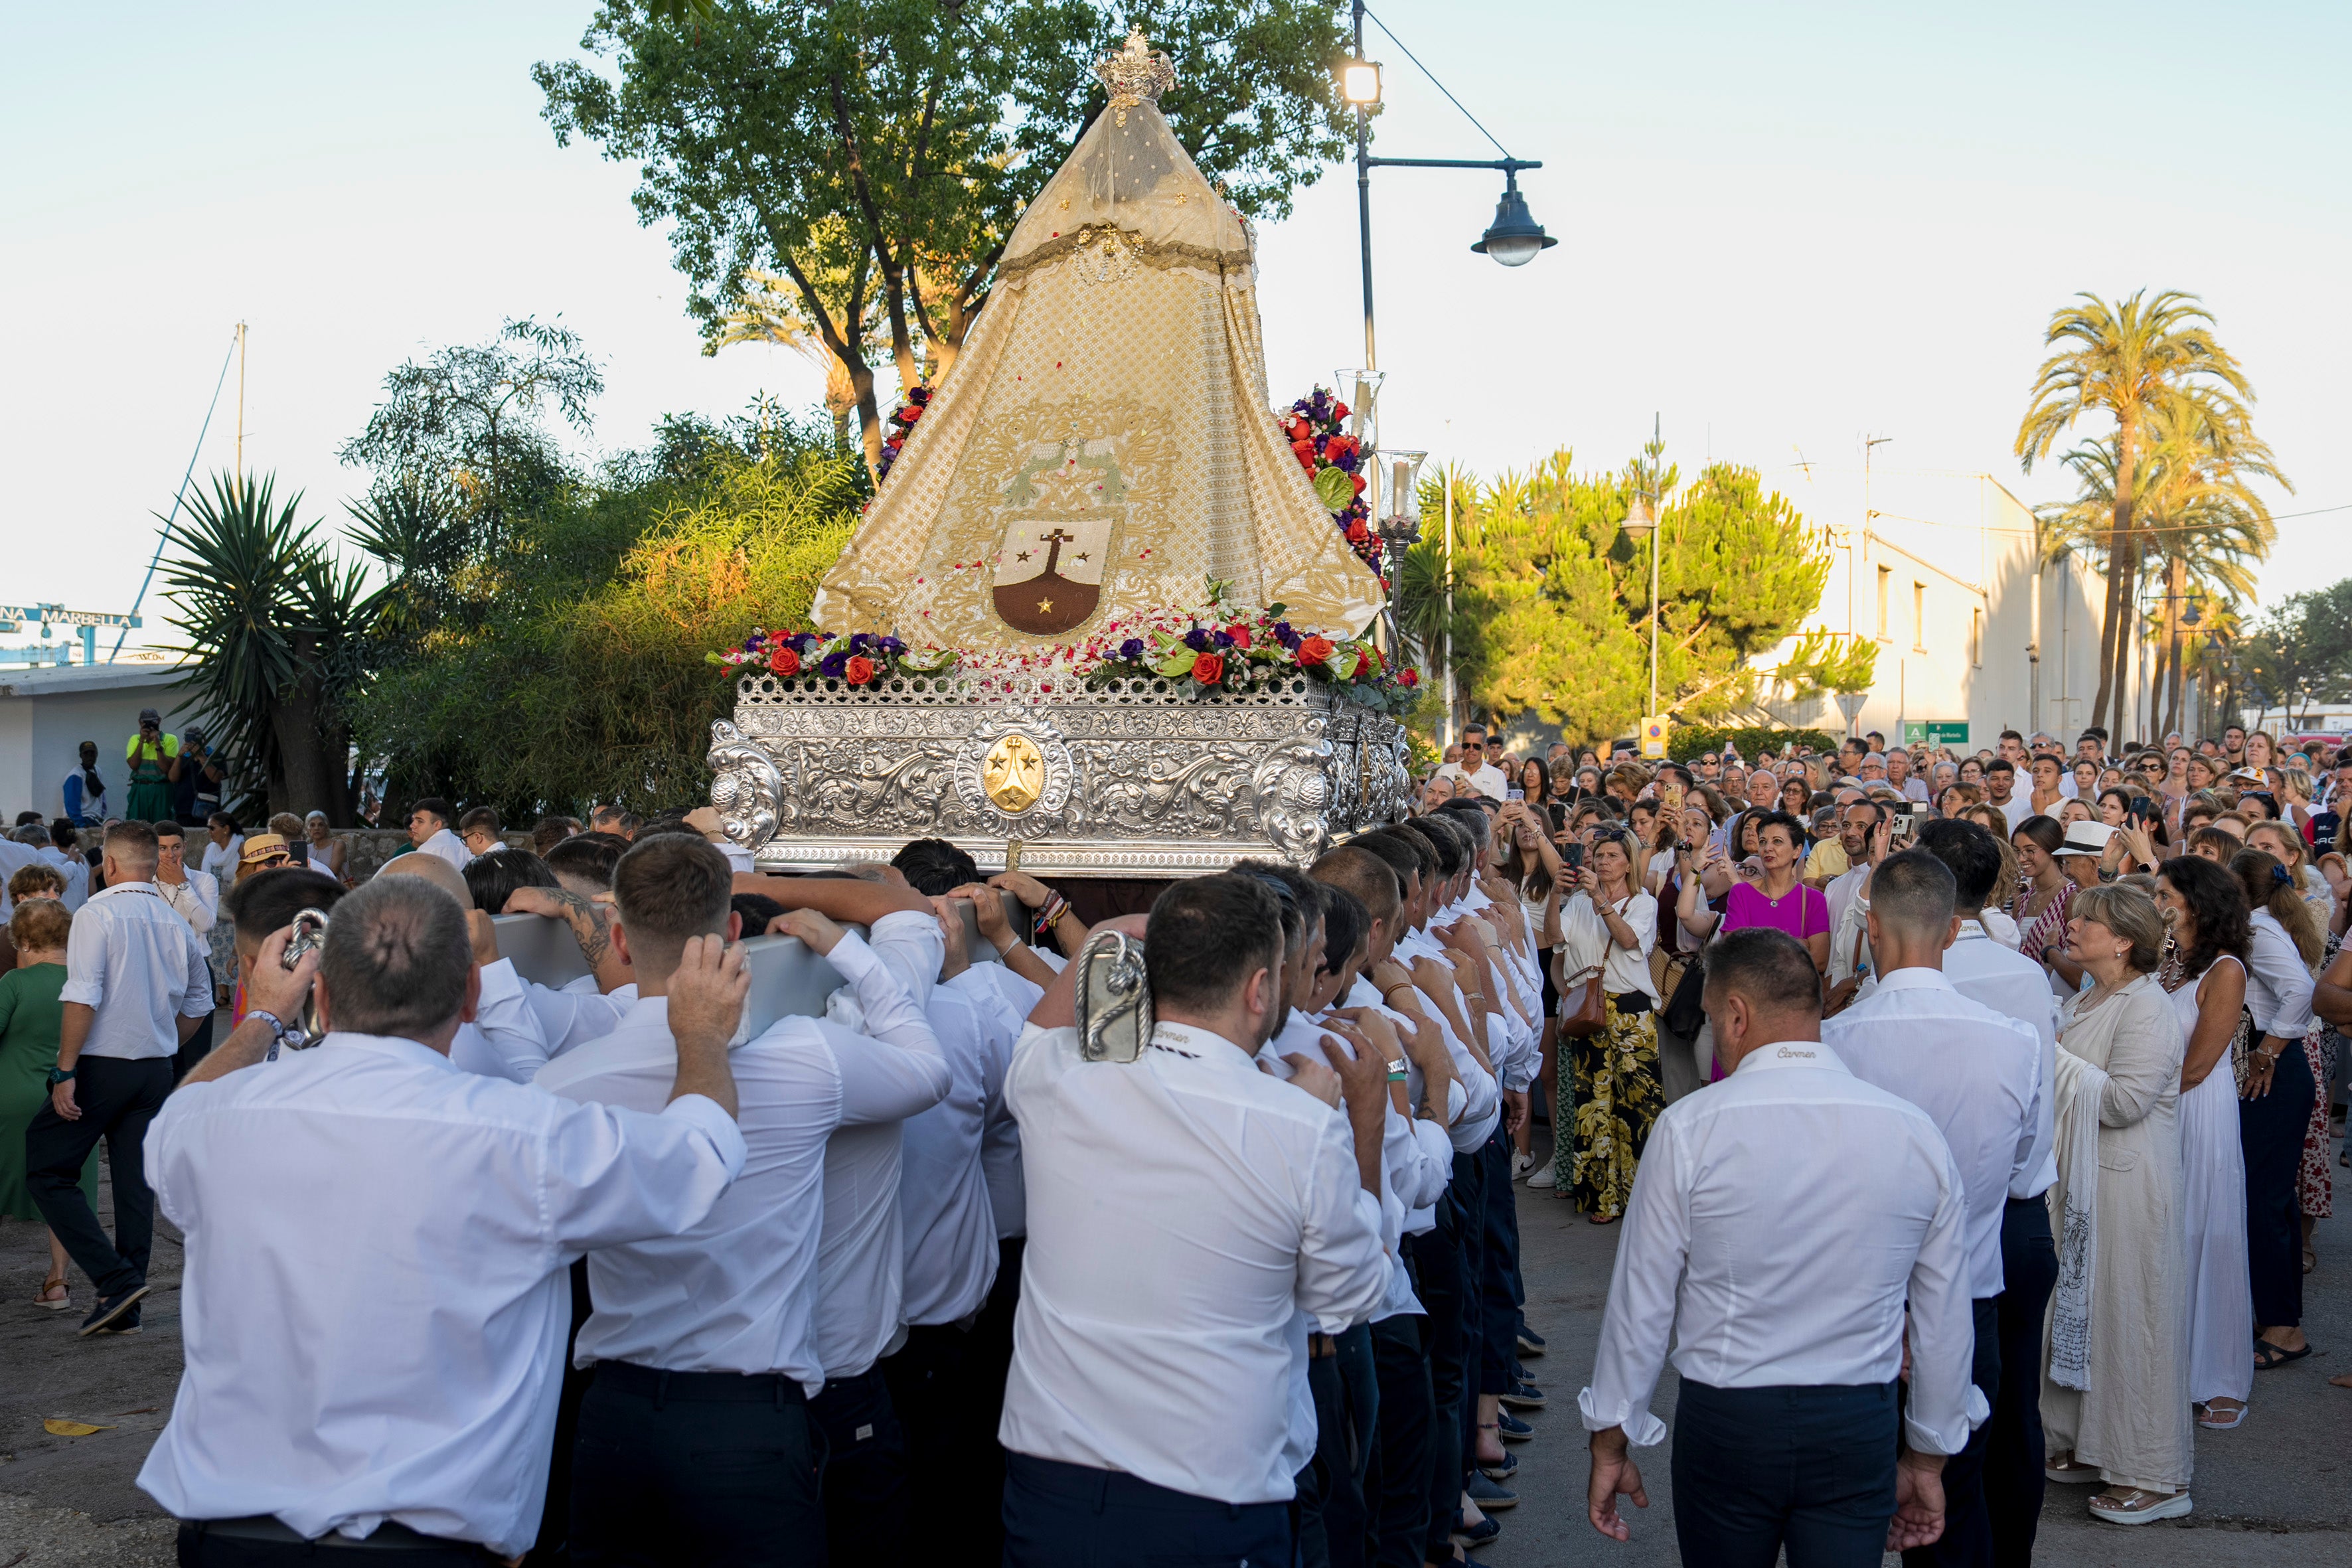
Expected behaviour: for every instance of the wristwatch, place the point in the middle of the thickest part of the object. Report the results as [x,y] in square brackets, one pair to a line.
[60,1075]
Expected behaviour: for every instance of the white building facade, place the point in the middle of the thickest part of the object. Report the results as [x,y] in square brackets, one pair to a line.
[46,712]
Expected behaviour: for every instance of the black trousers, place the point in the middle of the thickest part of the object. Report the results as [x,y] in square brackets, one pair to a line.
[866,1497]
[554,1545]
[1444,1286]
[2269,1131]
[118,1098]
[988,1361]
[1757,1470]
[201,1546]
[694,1467]
[1396,1491]
[1072,1516]
[198,1045]
[1966,1541]
[1334,1523]
[2014,1452]
[931,1383]
[1498,1274]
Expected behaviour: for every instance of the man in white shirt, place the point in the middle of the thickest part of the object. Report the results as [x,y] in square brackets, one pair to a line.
[1998,977]
[429,831]
[396,1379]
[14,858]
[1858,836]
[2001,790]
[1474,770]
[194,896]
[704,1343]
[1780,1223]
[1149,1408]
[1976,1072]
[135,991]
[1899,774]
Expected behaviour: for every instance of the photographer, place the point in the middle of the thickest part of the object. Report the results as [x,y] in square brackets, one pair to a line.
[374,1298]
[153,758]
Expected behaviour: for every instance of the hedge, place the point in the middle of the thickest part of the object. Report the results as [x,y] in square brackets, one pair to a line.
[1685,742]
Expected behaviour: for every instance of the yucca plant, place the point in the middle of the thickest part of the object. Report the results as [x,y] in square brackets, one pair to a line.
[279,632]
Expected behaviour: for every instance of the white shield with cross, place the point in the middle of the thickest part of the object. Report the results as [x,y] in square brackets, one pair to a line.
[1049,570]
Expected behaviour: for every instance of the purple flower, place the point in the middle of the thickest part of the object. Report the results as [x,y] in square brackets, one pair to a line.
[889,647]
[1223,640]
[1131,651]
[803,641]
[832,666]
[1287,636]
[1197,640]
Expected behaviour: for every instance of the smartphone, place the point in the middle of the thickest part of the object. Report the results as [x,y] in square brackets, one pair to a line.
[1572,855]
[2143,809]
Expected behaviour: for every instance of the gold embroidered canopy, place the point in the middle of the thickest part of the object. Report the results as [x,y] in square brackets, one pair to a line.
[1103,443]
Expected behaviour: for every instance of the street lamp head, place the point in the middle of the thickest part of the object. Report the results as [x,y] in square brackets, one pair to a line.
[2194,614]
[1360,81]
[1640,520]
[1514,236]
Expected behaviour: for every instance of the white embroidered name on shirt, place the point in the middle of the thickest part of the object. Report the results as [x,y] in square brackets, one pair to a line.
[1788,1051]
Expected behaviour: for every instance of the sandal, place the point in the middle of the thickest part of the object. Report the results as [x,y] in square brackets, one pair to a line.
[2310,1260]
[2136,1505]
[2217,1420]
[55,1297]
[2268,1355]
[2068,1472]
[1602,1219]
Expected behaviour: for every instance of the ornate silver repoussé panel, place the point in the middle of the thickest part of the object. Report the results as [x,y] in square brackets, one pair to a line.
[1132,778]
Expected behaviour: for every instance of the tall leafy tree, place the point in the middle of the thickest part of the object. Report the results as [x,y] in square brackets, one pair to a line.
[2119,361]
[280,634]
[1552,596]
[2299,653]
[877,153]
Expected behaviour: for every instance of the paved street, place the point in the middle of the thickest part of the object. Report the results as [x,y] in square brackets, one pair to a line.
[2277,1491]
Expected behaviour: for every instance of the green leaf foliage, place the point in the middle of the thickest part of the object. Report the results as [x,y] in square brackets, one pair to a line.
[577,673]
[1685,742]
[1551,594]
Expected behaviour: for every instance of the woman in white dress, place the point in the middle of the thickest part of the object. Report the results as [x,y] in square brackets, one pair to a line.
[2115,1387]
[2205,970]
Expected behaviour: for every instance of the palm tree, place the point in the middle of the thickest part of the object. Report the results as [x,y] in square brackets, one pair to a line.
[770,311]
[281,632]
[2120,361]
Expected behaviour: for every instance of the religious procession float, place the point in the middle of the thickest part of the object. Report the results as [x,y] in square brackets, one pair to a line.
[1098,622]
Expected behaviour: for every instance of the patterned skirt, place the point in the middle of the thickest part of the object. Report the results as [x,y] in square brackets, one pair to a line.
[1610,1096]
[2317,1186]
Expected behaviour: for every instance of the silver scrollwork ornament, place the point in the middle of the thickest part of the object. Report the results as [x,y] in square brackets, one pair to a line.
[746,787]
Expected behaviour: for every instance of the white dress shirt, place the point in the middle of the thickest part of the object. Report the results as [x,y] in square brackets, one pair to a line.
[141,967]
[375,1299]
[1992,975]
[1477,1123]
[572,1014]
[861,1250]
[738,1292]
[14,858]
[1004,1000]
[74,870]
[948,1231]
[1839,893]
[1973,1070]
[503,1040]
[1421,1197]
[220,860]
[1777,1225]
[195,900]
[2278,986]
[1486,779]
[1183,1209]
[446,846]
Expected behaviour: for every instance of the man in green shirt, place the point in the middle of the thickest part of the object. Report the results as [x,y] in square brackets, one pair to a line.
[154,761]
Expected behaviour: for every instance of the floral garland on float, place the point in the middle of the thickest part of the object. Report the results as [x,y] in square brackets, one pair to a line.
[1215,646]
[902,425]
[1334,460]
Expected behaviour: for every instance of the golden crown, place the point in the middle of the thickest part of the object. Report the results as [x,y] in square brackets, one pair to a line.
[1136,74]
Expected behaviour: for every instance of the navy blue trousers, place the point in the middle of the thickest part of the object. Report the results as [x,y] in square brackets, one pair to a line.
[1810,1469]
[1443,1283]
[2271,1130]
[1397,1490]
[867,1497]
[1966,1541]
[1072,1516]
[2014,1451]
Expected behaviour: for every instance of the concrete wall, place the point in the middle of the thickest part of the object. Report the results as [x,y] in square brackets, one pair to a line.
[46,713]
[1940,569]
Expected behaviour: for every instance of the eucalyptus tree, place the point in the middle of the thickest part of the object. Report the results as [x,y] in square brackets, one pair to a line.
[2119,361]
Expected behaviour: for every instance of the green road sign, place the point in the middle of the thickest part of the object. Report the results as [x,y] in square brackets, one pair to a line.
[1936,733]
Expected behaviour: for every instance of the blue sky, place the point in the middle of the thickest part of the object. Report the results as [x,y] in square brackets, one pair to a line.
[1782,227]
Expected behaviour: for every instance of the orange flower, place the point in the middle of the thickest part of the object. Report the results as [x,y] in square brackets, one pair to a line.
[1313,650]
[860,670]
[1209,668]
[784,661]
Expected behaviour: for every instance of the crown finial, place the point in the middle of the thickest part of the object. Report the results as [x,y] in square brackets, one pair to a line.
[1137,73]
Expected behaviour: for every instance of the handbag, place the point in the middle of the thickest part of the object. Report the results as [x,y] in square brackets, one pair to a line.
[2242,1043]
[1583,950]
[1684,1015]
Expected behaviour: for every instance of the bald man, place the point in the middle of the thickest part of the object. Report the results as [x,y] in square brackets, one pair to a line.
[503,1039]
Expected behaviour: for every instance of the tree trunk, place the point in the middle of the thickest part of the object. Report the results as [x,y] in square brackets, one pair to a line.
[2122,554]
[2175,588]
[306,781]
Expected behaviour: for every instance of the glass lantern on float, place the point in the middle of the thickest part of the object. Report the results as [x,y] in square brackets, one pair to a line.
[1399,527]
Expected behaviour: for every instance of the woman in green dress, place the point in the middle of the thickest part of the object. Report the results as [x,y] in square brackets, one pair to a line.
[31,1019]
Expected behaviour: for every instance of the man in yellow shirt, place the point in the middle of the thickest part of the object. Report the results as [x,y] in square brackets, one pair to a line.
[154,760]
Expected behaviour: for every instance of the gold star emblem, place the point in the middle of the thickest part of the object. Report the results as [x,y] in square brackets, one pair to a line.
[1044,606]
[1022,556]
[1081,556]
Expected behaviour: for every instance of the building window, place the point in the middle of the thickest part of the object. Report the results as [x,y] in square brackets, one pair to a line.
[1976,638]
[1918,617]
[1885,577]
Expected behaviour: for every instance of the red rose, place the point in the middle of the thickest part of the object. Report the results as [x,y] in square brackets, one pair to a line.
[1338,411]
[1313,650]
[1240,634]
[1358,532]
[860,670]
[1339,447]
[784,661]
[1409,676]
[1304,450]
[1356,480]
[1209,668]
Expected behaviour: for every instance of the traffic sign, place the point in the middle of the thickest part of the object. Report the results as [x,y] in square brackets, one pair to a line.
[1936,733]
[1653,735]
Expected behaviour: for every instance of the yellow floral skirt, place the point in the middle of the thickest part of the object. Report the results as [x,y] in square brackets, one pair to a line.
[1607,1104]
